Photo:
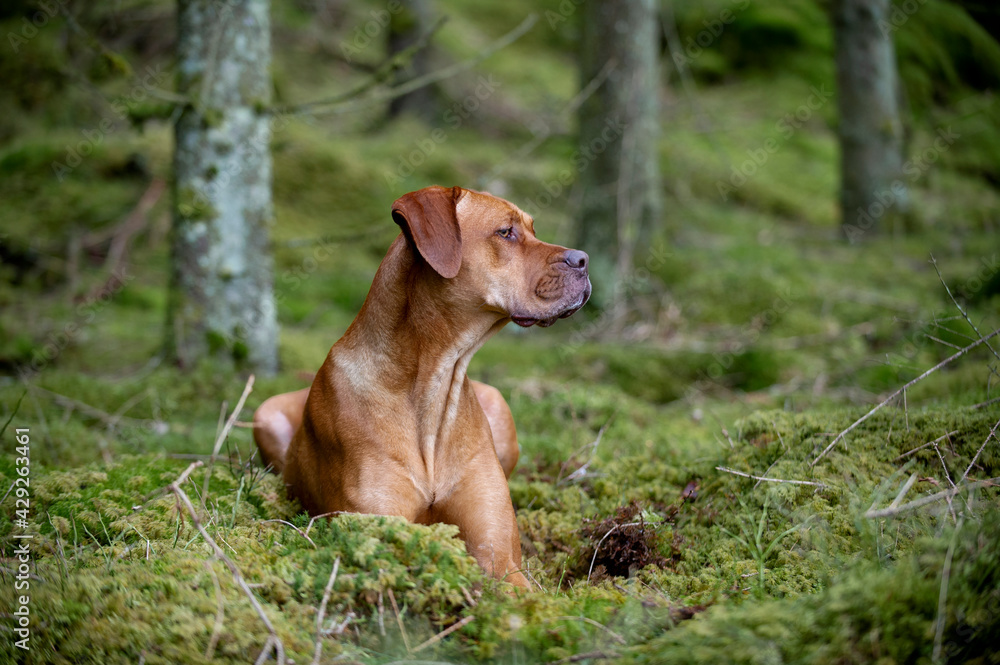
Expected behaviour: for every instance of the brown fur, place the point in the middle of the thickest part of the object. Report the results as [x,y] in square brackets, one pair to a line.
[391,424]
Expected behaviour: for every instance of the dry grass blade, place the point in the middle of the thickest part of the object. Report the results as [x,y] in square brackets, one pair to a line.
[943,595]
[297,529]
[182,498]
[946,361]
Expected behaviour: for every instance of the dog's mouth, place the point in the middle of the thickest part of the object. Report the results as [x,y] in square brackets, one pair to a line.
[528,321]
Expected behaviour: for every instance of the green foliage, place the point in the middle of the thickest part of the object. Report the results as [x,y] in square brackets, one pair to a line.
[123,573]
[755,334]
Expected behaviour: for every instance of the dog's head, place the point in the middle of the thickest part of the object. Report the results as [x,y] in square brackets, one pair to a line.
[486,250]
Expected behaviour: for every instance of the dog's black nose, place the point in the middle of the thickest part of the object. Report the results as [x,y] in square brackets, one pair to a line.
[574,258]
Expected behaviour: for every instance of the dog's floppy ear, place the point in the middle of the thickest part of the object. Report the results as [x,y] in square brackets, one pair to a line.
[428,217]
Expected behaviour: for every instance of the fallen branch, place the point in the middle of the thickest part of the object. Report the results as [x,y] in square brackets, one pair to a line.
[892,511]
[768,480]
[896,394]
[444,633]
[273,640]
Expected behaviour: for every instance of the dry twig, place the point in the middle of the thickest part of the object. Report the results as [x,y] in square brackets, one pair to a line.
[222,436]
[273,640]
[768,480]
[892,511]
[444,633]
[992,434]
[925,445]
[399,620]
[946,361]
[965,314]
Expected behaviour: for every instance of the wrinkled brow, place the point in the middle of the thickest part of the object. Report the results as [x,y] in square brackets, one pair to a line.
[526,220]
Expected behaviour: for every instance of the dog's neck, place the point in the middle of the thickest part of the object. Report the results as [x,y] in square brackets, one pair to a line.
[407,308]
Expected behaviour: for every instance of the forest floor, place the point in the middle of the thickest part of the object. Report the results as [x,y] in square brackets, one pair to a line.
[669,503]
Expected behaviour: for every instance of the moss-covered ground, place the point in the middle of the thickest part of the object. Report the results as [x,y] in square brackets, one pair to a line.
[751,336]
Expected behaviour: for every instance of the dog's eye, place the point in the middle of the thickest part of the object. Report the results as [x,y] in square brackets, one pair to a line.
[507,232]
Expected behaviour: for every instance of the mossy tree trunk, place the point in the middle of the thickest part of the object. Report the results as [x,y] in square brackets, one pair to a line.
[221,290]
[618,186]
[872,192]
[406,26]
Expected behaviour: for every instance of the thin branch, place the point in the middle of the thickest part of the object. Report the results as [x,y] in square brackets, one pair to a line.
[581,471]
[965,314]
[273,640]
[399,620]
[338,105]
[322,611]
[923,501]
[992,434]
[381,73]
[891,397]
[320,516]
[768,480]
[903,490]
[91,411]
[444,633]
[989,402]
[925,445]
[223,434]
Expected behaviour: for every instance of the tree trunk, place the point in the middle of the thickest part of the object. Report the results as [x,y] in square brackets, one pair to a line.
[221,292]
[619,178]
[871,135]
[405,27]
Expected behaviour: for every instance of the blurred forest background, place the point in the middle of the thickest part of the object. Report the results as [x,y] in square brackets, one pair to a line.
[762,185]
